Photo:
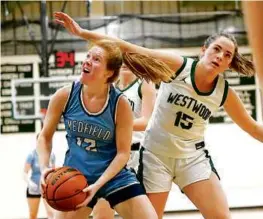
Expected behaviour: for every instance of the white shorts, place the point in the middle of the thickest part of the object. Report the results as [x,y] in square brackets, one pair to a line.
[157,172]
[133,162]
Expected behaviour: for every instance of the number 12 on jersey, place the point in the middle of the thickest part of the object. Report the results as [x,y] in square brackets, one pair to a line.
[87,143]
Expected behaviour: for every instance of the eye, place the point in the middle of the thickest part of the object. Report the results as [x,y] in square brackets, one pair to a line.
[228,55]
[88,55]
[216,49]
[96,59]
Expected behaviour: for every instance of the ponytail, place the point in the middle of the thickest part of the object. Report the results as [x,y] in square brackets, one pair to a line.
[147,68]
[242,65]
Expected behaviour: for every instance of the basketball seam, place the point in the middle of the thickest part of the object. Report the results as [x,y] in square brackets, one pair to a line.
[55,200]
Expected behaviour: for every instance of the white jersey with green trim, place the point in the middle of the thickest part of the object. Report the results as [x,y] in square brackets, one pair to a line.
[181,113]
[134,95]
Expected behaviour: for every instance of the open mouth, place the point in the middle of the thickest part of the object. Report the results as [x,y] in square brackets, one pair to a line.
[86,70]
[215,64]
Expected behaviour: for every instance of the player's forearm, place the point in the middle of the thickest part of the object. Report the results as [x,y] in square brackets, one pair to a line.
[25,177]
[122,44]
[114,168]
[94,37]
[44,151]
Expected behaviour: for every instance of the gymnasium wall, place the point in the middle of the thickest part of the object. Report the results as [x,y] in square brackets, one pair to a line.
[237,156]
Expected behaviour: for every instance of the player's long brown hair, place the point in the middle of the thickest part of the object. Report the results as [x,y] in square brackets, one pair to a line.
[154,70]
[147,68]
[239,63]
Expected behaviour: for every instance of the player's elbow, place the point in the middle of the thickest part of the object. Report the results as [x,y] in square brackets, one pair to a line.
[257,132]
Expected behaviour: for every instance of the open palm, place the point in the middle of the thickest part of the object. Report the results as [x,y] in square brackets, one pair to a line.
[67,22]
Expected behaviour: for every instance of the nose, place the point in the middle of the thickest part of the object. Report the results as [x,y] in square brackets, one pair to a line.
[88,61]
[220,55]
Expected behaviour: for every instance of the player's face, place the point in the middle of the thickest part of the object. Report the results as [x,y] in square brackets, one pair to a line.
[219,54]
[94,66]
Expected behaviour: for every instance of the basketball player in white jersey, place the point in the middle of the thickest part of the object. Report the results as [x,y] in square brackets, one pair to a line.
[174,149]
[141,96]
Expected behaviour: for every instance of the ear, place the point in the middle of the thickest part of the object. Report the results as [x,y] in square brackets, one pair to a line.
[109,74]
[203,49]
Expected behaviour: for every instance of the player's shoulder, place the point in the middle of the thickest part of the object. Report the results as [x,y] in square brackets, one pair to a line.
[62,93]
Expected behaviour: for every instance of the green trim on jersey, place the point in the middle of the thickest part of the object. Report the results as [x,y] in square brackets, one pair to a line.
[194,85]
[178,71]
[140,90]
[130,85]
[225,94]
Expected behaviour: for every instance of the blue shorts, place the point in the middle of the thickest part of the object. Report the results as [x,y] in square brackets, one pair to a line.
[119,189]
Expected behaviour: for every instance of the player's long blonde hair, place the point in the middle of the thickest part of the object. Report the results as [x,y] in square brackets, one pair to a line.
[147,68]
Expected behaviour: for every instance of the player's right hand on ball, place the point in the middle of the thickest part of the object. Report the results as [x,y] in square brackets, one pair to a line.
[44,176]
[91,191]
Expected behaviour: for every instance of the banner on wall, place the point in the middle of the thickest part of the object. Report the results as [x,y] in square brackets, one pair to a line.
[64,65]
[8,123]
[15,71]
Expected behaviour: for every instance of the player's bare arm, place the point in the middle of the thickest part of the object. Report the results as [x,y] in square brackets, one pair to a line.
[238,113]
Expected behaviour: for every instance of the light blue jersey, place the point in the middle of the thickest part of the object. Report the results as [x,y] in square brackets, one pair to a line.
[32,159]
[91,136]
[92,146]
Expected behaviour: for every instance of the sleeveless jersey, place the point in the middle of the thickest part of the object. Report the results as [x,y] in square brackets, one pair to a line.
[90,136]
[181,113]
[134,95]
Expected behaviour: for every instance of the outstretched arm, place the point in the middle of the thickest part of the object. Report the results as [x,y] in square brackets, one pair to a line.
[236,110]
[253,17]
[174,61]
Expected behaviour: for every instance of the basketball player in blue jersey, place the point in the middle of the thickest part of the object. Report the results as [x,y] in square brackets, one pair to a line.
[141,96]
[33,192]
[98,121]
[174,149]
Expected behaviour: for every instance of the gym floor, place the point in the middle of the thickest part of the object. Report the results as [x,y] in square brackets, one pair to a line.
[248,213]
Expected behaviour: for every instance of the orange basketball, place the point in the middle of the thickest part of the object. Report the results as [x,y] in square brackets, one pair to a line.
[64,188]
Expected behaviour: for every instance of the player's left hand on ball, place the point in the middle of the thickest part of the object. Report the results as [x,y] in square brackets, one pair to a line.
[44,175]
[91,191]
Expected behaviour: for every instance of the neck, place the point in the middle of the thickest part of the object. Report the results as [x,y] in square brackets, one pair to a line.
[126,80]
[93,90]
[204,79]
[204,75]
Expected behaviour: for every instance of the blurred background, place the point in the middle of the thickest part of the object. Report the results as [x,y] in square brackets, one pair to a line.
[38,57]
[154,24]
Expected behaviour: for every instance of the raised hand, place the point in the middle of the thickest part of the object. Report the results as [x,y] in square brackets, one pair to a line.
[67,22]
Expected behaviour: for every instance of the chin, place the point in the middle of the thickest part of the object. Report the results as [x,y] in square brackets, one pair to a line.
[84,81]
